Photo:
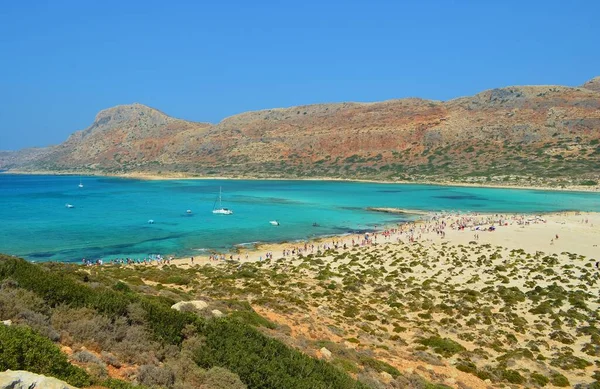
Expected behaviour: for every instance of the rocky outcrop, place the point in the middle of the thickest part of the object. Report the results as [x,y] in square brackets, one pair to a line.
[20,379]
[194,304]
[522,131]
[593,84]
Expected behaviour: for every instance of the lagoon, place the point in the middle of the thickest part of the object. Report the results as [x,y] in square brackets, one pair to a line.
[110,215]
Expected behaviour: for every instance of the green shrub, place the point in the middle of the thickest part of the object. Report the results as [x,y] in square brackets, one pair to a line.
[539,379]
[219,378]
[379,365]
[558,379]
[567,361]
[262,362]
[443,346]
[23,349]
[513,376]
[252,318]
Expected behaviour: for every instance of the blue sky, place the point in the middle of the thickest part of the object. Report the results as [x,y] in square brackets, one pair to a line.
[62,61]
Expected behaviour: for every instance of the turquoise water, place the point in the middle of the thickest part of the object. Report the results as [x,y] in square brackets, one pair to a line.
[110,215]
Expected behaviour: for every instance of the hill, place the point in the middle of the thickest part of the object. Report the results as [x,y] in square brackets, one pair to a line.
[512,134]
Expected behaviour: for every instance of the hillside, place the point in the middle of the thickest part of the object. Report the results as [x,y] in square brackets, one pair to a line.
[506,134]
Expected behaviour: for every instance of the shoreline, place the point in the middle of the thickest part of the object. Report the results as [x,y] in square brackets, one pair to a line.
[405,233]
[179,176]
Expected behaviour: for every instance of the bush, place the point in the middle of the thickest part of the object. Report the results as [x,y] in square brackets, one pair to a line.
[539,379]
[23,349]
[513,376]
[558,379]
[443,346]
[262,362]
[155,376]
[219,378]
[85,356]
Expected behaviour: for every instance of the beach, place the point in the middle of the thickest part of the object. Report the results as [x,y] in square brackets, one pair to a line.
[441,182]
[578,232]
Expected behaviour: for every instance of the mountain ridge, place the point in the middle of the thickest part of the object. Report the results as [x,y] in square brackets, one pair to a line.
[511,134]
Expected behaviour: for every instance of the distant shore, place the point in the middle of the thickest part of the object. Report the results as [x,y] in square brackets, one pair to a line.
[181,176]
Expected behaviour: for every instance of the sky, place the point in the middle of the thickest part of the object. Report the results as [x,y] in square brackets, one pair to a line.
[62,61]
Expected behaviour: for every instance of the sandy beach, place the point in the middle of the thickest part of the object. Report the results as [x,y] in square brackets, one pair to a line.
[578,232]
[183,176]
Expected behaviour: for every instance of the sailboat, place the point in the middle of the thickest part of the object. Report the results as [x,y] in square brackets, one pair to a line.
[220,210]
[80,183]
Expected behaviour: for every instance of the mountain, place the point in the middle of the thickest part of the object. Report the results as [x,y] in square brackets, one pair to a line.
[519,133]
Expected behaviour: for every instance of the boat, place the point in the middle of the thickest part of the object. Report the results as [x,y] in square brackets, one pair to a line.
[151,221]
[274,222]
[189,211]
[69,205]
[220,210]
[80,183]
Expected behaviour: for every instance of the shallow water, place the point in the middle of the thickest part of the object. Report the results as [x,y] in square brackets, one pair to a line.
[110,215]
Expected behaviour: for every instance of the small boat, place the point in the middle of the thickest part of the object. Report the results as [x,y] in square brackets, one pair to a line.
[151,221]
[315,225]
[274,222]
[189,211]
[80,183]
[220,210]
[69,205]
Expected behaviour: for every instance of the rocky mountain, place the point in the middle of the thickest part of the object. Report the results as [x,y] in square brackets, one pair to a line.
[507,134]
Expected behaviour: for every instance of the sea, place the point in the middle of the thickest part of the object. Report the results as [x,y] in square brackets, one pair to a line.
[110,216]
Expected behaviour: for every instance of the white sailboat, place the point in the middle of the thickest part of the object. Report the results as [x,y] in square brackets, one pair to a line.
[220,210]
[80,183]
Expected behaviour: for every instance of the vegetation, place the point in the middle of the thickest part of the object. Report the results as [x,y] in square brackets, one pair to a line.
[23,349]
[259,361]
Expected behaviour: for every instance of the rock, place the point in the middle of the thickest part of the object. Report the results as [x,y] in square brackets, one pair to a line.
[325,353]
[197,304]
[7,322]
[20,379]
[217,313]
[386,377]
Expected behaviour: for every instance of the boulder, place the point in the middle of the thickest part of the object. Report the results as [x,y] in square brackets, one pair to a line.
[20,379]
[197,304]
[7,322]
[325,353]
[217,313]
[386,377]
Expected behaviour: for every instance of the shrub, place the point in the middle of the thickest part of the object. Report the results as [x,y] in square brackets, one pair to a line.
[262,362]
[379,365]
[539,379]
[155,376]
[443,346]
[23,349]
[220,378]
[558,379]
[512,376]
[567,361]
[85,356]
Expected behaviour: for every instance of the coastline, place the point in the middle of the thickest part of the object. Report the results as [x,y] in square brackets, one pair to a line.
[569,225]
[180,176]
